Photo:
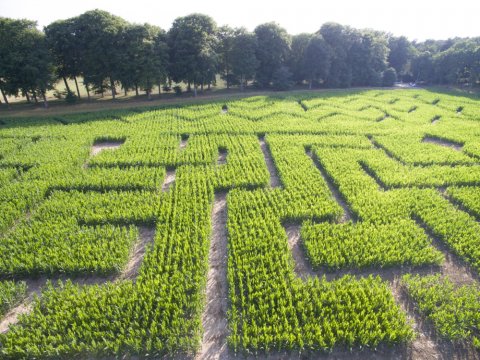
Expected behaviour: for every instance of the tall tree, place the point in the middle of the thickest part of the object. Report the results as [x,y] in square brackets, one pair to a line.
[100,37]
[422,67]
[272,51]
[192,44]
[368,57]
[225,37]
[340,41]
[400,55]
[317,60]
[62,41]
[144,61]
[296,59]
[244,60]
[26,65]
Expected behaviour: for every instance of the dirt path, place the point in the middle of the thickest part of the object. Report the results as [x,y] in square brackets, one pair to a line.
[168,181]
[222,157]
[183,143]
[427,345]
[146,237]
[442,142]
[214,319]
[107,145]
[34,287]
[337,196]
[302,268]
[274,178]
[11,317]
[58,108]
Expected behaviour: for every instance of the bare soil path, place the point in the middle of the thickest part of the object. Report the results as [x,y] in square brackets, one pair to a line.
[168,181]
[272,169]
[214,320]
[35,286]
[442,142]
[107,145]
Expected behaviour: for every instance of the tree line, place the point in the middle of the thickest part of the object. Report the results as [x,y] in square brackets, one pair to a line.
[106,51]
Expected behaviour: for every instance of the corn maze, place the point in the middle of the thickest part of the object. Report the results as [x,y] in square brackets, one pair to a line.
[311,223]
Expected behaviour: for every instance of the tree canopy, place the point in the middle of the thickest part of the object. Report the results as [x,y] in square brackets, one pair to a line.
[106,51]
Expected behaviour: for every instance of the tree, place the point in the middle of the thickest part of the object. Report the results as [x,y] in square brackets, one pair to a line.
[368,57]
[144,61]
[225,37]
[244,60]
[282,79]
[340,41]
[61,37]
[389,77]
[296,59]
[273,47]
[401,53]
[317,59]
[192,43]
[100,38]
[422,67]
[25,63]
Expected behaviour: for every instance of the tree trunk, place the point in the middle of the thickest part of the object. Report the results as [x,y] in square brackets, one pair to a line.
[76,84]
[189,88]
[4,97]
[136,90]
[227,77]
[35,96]
[159,88]
[149,94]
[88,92]
[209,85]
[112,85]
[125,91]
[66,84]
[194,89]
[201,87]
[45,102]
[28,97]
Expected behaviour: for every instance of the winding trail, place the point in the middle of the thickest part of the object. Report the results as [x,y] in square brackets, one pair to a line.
[442,142]
[98,147]
[35,286]
[337,196]
[168,181]
[274,178]
[214,319]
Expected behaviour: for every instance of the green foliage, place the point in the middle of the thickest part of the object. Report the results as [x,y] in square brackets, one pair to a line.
[65,210]
[70,98]
[389,77]
[25,64]
[455,311]
[281,79]
[11,293]
[367,245]
[192,49]
[273,46]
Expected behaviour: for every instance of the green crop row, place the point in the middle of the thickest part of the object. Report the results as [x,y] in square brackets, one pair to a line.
[455,311]
[361,245]
[11,293]
[66,211]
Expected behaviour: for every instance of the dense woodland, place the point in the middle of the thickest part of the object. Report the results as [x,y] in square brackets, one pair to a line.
[105,51]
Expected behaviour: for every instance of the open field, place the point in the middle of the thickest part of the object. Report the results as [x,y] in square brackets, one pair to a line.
[339,225]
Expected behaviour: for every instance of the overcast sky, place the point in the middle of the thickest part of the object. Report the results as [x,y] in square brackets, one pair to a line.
[416,19]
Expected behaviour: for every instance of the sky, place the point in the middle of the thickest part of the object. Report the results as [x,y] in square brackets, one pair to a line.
[415,19]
